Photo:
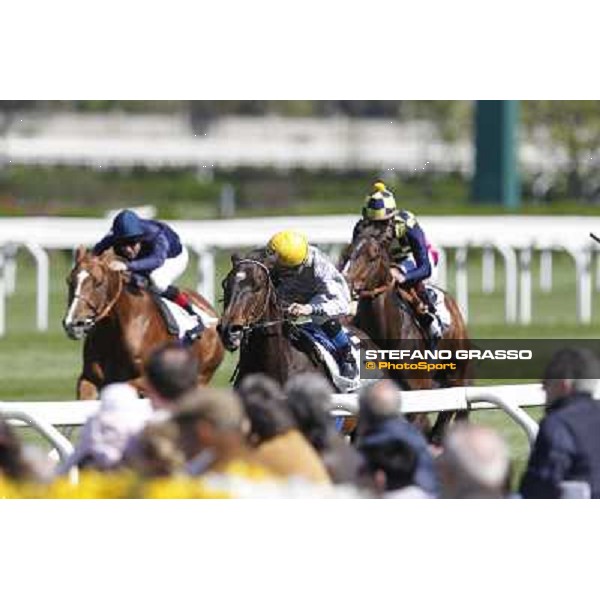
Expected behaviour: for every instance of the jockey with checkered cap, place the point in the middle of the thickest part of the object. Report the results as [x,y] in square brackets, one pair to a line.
[415,260]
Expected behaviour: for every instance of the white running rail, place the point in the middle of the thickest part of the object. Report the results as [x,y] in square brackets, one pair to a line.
[512,238]
[46,417]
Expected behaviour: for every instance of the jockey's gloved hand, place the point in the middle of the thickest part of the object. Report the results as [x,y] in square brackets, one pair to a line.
[139,280]
[299,310]
[399,277]
[117,265]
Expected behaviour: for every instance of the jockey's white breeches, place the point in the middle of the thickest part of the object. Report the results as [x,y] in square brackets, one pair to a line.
[170,270]
[441,310]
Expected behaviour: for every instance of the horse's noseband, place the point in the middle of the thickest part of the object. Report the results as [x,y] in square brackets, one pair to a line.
[231,336]
[78,329]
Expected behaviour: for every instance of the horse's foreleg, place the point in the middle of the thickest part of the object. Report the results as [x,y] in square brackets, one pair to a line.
[210,353]
[441,424]
[86,389]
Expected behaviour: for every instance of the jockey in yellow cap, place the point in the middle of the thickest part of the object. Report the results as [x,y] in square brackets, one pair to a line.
[415,259]
[308,280]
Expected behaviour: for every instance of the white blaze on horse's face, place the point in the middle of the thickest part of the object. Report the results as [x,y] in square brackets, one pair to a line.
[81,277]
[240,276]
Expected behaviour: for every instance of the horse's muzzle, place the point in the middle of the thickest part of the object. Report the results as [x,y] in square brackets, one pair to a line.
[77,330]
[231,336]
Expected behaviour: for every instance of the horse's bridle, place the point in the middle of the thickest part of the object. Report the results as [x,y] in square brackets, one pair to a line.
[99,315]
[388,285]
[378,290]
[257,323]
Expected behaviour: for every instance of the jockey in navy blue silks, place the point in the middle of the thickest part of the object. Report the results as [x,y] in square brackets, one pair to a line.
[151,249]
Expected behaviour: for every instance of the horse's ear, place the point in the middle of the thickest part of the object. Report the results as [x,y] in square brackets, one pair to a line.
[80,253]
[235,259]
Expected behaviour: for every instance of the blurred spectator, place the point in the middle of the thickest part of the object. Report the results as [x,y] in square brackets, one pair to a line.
[475,463]
[105,435]
[155,451]
[567,448]
[13,464]
[212,429]
[393,465]
[380,422]
[308,397]
[171,371]
[274,434]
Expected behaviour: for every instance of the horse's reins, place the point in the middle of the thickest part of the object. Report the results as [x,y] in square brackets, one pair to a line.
[377,291]
[388,285]
[263,324]
[109,306]
[248,328]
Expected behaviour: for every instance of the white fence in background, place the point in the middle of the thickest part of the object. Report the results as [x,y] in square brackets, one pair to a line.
[46,417]
[512,239]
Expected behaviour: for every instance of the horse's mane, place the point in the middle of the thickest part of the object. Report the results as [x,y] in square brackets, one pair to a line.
[375,233]
[86,255]
[108,256]
[260,255]
[102,260]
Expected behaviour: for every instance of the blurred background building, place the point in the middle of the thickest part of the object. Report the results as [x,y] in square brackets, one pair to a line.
[195,159]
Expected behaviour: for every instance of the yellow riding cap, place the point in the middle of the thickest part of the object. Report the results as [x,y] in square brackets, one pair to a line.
[380,205]
[291,247]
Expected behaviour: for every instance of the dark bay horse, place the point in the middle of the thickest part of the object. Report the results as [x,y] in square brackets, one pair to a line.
[122,326]
[254,321]
[388,318]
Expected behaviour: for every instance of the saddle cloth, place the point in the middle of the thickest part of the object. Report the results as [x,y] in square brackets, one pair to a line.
[178,321]
[327,352]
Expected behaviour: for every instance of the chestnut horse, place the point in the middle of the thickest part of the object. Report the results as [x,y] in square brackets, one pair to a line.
[385,314]
[254,321]
[122,325]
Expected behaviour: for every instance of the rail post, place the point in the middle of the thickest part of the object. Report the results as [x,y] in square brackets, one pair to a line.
[462,284]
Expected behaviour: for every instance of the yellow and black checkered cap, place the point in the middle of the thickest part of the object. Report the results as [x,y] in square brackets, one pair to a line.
[381,204]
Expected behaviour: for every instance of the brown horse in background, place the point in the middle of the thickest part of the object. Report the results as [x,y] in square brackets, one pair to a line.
[385,313]
[122,326]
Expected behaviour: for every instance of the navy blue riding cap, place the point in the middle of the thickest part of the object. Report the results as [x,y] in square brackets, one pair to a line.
[127,225]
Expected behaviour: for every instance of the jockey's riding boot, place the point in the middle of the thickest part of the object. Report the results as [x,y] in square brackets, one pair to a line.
[182,299]
[433,327]
[348,366]
[425,296]
[339,337]
[191,335]
[430,319]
